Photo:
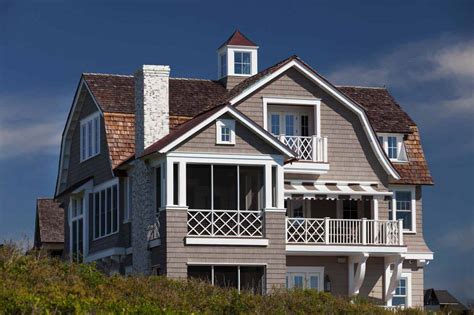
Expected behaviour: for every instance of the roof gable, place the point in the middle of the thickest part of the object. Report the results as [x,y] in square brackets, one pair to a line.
[49,221]
[196,124]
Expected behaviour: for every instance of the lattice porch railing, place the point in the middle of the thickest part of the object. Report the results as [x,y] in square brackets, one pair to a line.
[225,223]
[344,232]
[310,148]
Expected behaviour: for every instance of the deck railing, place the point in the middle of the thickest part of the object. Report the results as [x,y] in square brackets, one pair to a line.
[311,148]
[225,223]
[344,232]
[153,230]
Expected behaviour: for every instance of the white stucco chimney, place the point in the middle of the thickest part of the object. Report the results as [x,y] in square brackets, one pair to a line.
[151,105]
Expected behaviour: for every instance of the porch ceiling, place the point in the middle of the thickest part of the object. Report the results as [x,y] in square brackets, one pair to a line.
[332,190]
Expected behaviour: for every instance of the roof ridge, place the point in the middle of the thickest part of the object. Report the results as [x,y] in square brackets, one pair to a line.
[108,74]
[363,87]
[192,79]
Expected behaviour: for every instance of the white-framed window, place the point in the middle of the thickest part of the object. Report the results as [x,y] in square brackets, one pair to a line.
[402,294]
[242,63]
[90,136]
[223,62]
[403,206]
[128,199]
[393,146]
[76,228]
[106,210]
[225,131]
[305,278]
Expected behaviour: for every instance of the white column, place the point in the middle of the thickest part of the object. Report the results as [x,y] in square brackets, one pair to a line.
[280,187]
[182,184]
[169,182]
[375,209]
[356,278]
[391,279]
[268,186]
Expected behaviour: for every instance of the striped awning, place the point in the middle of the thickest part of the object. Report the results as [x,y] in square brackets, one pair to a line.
[332,190]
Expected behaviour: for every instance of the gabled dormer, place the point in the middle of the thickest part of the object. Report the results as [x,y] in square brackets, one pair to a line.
[237,59]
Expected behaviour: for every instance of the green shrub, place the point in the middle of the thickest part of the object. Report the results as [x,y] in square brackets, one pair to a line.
[36,284]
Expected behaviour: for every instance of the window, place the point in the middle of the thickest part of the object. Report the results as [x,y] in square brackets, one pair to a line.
[275,124]
[77,228]
[231,188]
[241,62]
[305,278]
[349,209]
[289,125]
[90,137]
[404,203]
[106,211]
[402,294]
[242,278]
[128,199]
[223,60]
[225,131]
[393,146]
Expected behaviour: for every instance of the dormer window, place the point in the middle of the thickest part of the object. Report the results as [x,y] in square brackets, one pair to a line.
[90,136]
[393,146]
[242,63]
[225,131]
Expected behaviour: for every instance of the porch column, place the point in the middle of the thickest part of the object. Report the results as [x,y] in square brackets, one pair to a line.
[182,184]
[169,183]
[280,187]
[268,186]
[356,277]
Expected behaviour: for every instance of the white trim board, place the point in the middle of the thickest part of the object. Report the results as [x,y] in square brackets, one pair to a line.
[105,253]
[242,119]
[372,136]
[294,249]
[215,241]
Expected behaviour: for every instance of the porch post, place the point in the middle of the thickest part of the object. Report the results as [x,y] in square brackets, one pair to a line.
[169,182]
[182,184]
[268,185]
[280,187]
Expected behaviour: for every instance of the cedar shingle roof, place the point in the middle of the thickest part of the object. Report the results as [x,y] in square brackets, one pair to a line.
[190,97]
[49,222]
[238,39]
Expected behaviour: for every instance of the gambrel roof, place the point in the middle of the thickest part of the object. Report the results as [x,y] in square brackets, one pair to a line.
[189,98]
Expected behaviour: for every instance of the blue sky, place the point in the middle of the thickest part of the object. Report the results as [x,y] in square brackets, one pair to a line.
[423,51]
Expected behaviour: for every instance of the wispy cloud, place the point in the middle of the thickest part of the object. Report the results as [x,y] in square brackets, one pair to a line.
[437,74]
[31,125]
[459,238]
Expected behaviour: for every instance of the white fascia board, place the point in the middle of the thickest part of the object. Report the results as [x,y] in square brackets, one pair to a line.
[245,121]
[343,99]
[343,249]
[214,241]
[306,168]
[82,83]
[105,253]
[196,157]
[420,256]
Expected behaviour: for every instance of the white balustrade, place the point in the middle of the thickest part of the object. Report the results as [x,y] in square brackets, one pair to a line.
[225,223]
[153,230]
[312,148]
[343,232]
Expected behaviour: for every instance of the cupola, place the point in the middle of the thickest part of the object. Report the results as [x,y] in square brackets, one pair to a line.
[237,58]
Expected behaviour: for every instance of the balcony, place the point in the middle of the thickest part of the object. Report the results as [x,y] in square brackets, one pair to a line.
[308,149]
[344,232]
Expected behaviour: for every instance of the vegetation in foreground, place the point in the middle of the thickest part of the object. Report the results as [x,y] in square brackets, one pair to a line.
[36,284]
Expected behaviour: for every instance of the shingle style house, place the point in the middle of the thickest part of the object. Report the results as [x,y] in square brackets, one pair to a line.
[256,180]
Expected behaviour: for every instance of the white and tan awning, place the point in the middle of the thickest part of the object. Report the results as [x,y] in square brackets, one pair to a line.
[332,190]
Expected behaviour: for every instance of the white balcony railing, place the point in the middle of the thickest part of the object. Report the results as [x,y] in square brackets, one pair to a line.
[153,230]
[225,223]
[344,232]
[312,148]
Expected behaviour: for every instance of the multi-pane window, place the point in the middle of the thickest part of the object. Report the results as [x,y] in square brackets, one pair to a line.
[400,297]
[403,201]
[90,137]
[77,228]
[305,278]
[349,209]
[223,60]
[106,214]
[225,131]
[242,62]
[275,124]
[392,147]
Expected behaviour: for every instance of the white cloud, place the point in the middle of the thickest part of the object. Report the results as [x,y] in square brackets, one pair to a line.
[434,75]
[31,125]
[459,239]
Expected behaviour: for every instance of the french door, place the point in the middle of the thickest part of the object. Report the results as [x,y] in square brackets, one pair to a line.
[77,229]
[288,124]
[305,278]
